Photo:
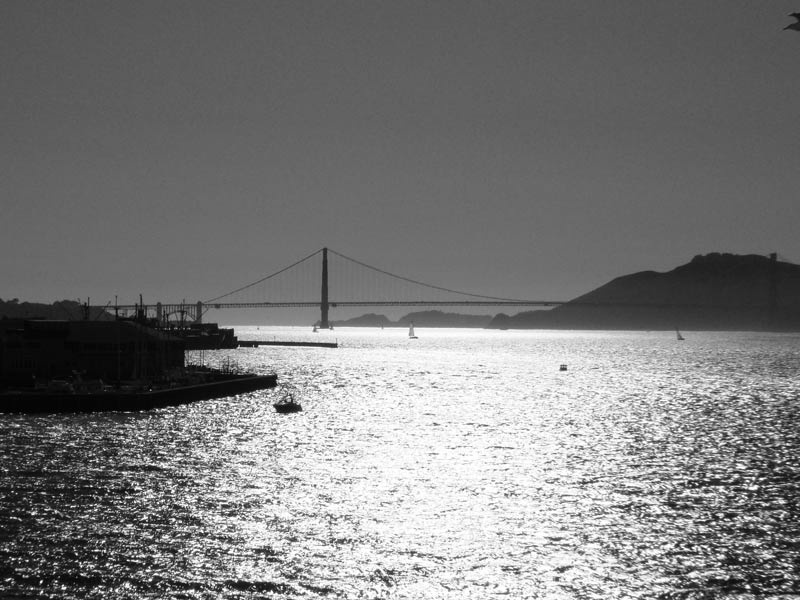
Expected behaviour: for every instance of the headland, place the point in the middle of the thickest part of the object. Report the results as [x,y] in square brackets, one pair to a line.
[713,292]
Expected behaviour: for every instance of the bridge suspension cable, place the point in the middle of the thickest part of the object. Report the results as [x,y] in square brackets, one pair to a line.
[394,276]
[421,283]
[263,279]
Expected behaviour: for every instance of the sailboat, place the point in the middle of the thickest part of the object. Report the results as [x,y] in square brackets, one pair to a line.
[411,335]
[678,333]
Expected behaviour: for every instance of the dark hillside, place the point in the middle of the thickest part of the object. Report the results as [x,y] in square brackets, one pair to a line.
[713,291]
[68,310]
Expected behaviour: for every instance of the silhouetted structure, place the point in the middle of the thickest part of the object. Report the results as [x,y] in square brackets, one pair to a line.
[107,350]
[323,304]
[66,366]
[205,336]
[195,311]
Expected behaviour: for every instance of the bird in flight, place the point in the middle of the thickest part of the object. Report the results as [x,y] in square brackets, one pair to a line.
[795,26]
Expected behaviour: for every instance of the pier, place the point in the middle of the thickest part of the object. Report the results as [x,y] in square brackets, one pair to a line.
[215,386]
[256,344]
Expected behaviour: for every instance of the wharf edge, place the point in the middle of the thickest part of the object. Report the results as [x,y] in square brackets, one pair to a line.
[118,401]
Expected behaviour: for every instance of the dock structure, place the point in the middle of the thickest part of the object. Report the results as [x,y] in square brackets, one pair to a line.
[49,366]
[257,343]
[33,401]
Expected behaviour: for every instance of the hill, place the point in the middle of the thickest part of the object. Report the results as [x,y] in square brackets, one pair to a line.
[426,318]
[711,292]
[62,310]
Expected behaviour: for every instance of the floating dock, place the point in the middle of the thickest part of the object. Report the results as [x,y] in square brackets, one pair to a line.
[256,344]
[34,401]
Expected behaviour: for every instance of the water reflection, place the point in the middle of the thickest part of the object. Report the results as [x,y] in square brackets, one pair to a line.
[466,466]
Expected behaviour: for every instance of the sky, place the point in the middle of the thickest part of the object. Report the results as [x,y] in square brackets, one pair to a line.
[525,149]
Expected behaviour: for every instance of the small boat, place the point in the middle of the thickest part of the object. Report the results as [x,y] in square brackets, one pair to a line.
[678,333]
[287,404]
[314,329]
[411,335]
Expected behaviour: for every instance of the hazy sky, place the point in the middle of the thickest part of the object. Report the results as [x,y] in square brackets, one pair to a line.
[531,149]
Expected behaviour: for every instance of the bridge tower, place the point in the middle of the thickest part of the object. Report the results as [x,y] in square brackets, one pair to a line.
[323,303]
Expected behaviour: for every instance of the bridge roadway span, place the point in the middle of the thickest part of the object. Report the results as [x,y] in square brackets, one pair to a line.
[196,311]
[171,308]
[388,303]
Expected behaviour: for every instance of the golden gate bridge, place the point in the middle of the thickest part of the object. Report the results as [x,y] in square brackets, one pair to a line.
[341,280]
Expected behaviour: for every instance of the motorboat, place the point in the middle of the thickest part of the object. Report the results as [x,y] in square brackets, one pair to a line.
[287,404]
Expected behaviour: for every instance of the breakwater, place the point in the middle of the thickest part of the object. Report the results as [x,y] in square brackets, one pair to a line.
[256,344]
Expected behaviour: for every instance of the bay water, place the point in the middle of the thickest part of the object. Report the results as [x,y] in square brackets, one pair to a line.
[463,464]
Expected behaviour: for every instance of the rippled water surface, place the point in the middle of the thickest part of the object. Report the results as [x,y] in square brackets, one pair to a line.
[463,464]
